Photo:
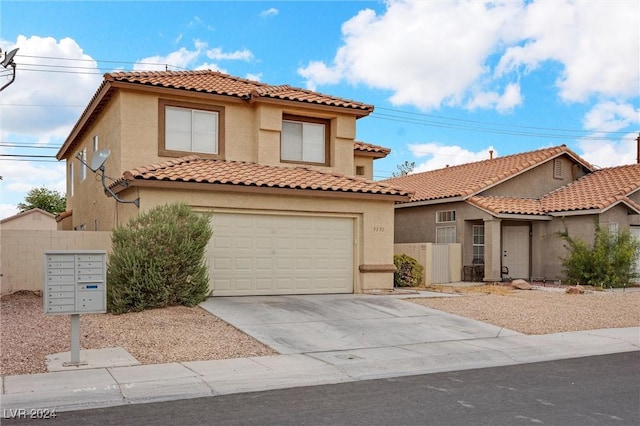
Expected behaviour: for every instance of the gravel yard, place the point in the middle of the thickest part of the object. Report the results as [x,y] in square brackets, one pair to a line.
[155,336]
[541,311]
[191,334]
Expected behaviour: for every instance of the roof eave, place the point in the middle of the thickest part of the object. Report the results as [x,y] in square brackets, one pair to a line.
[430,202]
[123,184]
[97,99]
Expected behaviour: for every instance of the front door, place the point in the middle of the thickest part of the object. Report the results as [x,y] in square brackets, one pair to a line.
[515,250]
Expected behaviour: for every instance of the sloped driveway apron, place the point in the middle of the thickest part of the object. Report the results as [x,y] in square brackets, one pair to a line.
[323,323]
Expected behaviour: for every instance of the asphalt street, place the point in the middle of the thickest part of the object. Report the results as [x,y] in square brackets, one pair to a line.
[597,390]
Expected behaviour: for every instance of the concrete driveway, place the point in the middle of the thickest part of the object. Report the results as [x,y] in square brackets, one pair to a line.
[324,323]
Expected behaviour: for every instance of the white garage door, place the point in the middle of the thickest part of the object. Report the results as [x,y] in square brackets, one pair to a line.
[253,254]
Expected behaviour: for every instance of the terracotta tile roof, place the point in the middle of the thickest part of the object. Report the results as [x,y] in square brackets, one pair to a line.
[596,191]
[196,169]
[375,150]
[508,205]
[469,179]
[215,82]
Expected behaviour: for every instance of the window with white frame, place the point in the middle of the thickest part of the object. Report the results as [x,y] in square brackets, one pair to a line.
[186,128]
[446,216]
[190,130]
[71,177]
[95,143]
[304,140]
[83,167]
[445,234]
[478,243]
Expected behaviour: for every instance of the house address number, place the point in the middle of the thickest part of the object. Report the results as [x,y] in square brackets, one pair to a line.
[378,229]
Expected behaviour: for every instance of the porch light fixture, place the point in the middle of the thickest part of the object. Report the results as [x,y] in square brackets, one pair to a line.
[8,62]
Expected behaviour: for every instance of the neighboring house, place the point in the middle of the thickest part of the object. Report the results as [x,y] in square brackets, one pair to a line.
[34,219]
[294,209]
[507,211]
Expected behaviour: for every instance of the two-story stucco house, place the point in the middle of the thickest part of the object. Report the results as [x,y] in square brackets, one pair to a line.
[294,209]
[506,212]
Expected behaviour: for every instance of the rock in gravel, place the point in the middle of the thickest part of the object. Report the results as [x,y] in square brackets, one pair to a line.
[575,290]
[520,285]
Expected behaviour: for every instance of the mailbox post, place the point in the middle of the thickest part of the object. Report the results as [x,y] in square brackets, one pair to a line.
[75,283]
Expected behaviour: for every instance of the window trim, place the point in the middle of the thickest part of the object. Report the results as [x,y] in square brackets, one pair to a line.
[440,212]
[473,241]
[71,178]
[164,152]
[327,138]
[83,167]
[449,228]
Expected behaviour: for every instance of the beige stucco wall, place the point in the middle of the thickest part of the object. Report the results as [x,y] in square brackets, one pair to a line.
[30,220]
[128,126]
[22,254]
[538,181]
[374,220]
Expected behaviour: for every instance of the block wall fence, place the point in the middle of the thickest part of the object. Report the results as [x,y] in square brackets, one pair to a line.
[22,254]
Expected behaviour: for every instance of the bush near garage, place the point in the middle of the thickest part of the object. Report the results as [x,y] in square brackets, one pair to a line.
[408,271]
[158,260]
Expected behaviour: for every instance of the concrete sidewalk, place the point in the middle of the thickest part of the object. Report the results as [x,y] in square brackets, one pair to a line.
[322,339]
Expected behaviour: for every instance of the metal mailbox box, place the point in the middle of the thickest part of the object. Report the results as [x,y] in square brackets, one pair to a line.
[75,282]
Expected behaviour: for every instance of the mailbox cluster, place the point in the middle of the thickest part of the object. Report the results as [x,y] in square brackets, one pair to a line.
[75,282]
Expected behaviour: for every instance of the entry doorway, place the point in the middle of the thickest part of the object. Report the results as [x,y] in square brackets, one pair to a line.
[515,250]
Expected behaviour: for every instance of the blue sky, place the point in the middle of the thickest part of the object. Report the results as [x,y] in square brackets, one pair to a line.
[450,80]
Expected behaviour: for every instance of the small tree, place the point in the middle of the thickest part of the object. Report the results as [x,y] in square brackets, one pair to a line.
[158,260]
[408,271]
[610,261]
[45,199]
[404,169]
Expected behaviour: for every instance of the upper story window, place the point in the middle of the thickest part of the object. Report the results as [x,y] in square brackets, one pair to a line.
[446,216]
[95,143]
[71,177]
[187,128]
[304,140]
[83,161]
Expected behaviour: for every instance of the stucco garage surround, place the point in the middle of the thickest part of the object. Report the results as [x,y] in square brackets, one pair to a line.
[360,232]
[266,254]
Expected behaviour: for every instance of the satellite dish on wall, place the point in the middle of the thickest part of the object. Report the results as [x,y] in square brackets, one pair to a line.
[99,159]
[8,58]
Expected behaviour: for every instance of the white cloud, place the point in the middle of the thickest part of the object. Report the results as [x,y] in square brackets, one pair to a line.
[439,156]
[33,111]
[426,53]
[611,116]
[596,42]
[455,53]
[239,55]
[269,12]
[506,102]
[254,77]
[181,58]
[609,153]
[34,104]
[318,73]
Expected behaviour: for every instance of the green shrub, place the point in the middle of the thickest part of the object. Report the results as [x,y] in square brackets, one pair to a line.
[408,271]
[158,260]
[609,262]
